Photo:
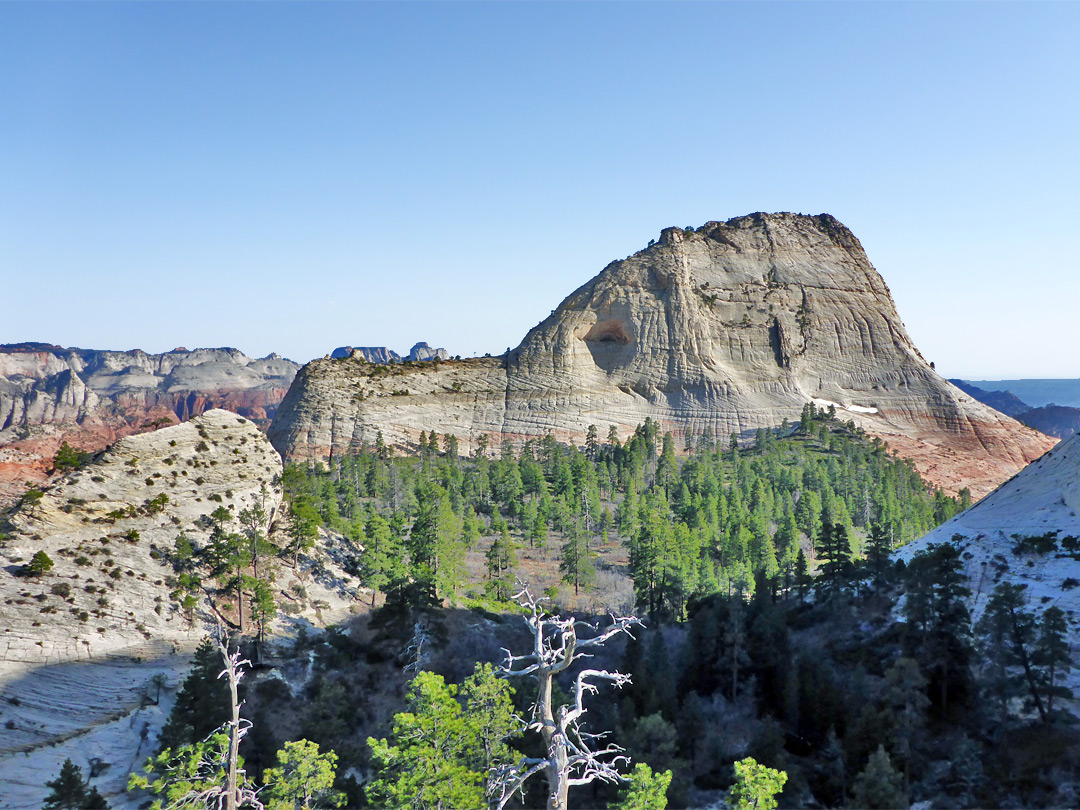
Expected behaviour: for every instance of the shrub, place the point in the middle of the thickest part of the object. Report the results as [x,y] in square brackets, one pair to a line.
[61,589]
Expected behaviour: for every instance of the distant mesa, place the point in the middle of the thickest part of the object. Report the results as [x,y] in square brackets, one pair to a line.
[725,328]
[1037,392]
[421,352]
[1005,401]
[90,398]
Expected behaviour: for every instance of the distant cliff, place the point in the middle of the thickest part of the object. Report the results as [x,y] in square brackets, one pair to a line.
[89,398]
[421,352]
[728,327]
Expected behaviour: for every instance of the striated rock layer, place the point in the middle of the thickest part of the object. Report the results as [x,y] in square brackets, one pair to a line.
[730,327]
[89,398]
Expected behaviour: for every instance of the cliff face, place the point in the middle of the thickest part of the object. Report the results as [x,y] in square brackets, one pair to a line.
[88,398]
[731,327]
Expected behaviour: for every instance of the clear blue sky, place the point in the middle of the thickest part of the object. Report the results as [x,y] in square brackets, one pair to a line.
[295,177]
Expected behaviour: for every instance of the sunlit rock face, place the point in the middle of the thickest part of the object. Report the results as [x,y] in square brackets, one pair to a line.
[90,398]
[108,529]
[730,327]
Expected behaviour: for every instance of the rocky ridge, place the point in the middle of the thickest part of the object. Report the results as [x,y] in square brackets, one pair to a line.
[89,398]
[106,526]
[93,652]
[730,327]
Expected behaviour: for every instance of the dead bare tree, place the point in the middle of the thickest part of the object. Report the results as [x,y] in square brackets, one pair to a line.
[574,756]
[206,775]
[237,793]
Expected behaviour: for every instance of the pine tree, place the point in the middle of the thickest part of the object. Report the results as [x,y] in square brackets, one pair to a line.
[263,605]
[202,704]
[646,790]
[879,785]
[834,549]
[576,565]
[1053,656]
[439,751]
[756,786]
[68,789]
[938,620]
[302,780]
[877,556]
[502,565]
[436,555]
[383,557]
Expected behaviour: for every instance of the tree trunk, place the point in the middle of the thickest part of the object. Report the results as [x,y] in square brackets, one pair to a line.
[234,736]
[1028,674]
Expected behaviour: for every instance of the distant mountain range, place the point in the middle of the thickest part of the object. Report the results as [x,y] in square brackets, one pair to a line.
[90,398]
[1052,419]
[1036,393]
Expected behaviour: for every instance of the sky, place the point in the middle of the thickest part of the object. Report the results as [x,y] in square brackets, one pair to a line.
[291,178]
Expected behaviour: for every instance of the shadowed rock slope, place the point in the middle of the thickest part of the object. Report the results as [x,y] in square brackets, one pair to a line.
[730,327]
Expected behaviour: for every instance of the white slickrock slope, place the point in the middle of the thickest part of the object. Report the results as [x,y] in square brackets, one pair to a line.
[1043,497]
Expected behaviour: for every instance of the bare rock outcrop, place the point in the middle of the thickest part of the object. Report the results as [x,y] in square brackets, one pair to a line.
[1026,533]
[49,394]
[729,327]
[106,528]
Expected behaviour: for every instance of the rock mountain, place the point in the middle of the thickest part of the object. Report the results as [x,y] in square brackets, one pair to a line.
[419,353]
[728,327]
[49,394]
